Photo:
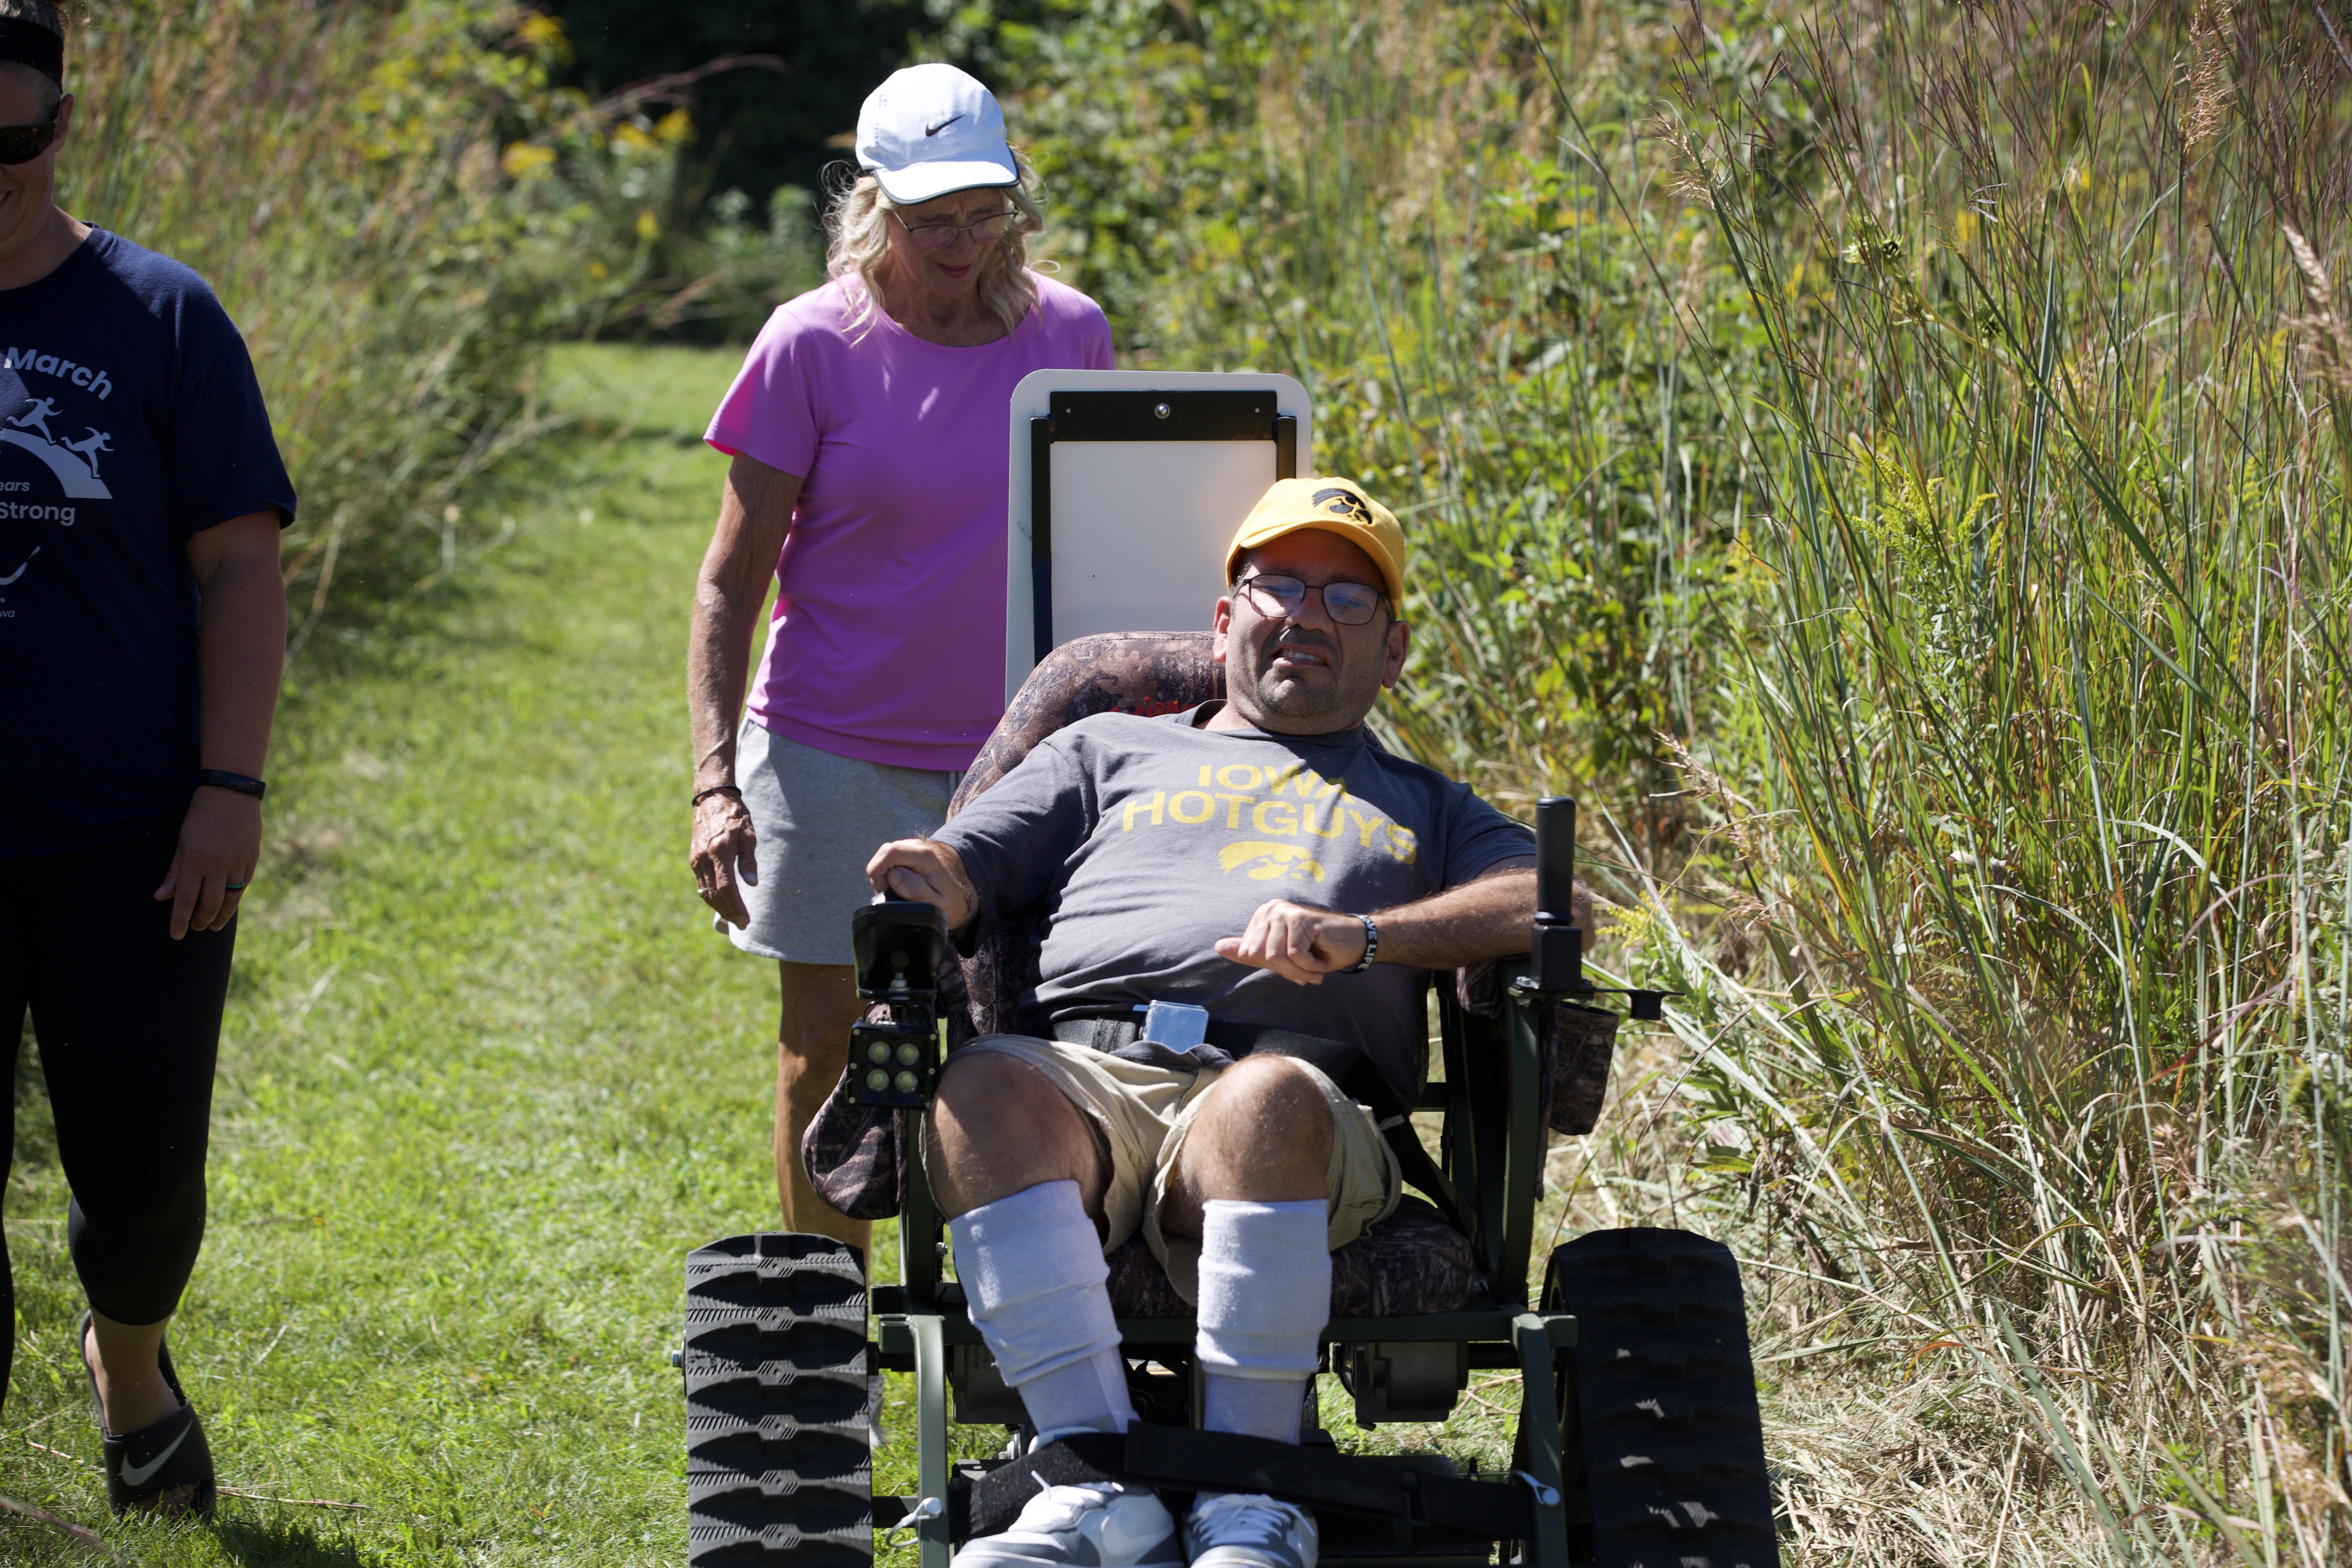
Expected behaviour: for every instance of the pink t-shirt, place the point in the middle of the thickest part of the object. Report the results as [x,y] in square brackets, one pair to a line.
[889,621]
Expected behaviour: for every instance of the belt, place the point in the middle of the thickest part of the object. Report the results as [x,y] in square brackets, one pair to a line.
[1349,1065]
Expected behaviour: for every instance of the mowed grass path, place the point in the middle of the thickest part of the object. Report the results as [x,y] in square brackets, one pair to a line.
[486,1076]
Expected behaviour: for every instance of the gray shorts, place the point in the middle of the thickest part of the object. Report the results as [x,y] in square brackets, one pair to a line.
[819,818]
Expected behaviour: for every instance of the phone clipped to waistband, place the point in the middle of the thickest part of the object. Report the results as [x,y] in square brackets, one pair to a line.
[1179,1025]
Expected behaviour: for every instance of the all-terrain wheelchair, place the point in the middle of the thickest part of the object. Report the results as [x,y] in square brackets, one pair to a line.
[1638,1441]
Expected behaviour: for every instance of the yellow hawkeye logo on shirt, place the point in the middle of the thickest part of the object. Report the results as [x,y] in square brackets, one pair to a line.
[1295,801]
[1269,862]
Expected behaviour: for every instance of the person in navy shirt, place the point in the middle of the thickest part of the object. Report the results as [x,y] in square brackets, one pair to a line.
[143,630]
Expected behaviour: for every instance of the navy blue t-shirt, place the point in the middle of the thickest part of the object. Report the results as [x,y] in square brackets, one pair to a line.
[130,422]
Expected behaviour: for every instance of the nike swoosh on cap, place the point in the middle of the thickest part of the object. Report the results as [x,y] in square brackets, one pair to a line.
[943,125]
[138,1475]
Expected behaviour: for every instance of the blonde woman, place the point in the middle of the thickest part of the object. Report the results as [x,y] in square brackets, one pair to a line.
[867,429]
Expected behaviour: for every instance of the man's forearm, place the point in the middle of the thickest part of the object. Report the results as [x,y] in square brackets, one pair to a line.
[1489,917]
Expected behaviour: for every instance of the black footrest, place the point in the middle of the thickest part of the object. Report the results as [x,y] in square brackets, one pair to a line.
[1414,1493]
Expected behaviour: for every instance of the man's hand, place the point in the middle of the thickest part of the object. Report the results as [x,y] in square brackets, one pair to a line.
[1490,916]
[927,872]
[1299,943]
[725,857]
[220,843]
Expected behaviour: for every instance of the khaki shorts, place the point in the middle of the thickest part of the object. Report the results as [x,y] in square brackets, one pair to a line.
[1140,1114]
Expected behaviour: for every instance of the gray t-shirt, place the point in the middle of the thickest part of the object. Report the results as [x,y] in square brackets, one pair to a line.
[1144,840]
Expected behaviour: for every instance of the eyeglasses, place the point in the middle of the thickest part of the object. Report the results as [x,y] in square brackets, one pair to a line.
[23,143]
[940,235]
[1349,603]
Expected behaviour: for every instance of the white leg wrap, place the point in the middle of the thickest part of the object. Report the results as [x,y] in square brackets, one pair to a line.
[1033,1271]
[1265,1294]
[1254,1406]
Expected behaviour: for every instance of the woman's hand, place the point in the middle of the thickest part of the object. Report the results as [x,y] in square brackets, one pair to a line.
[725,849]
[220,843]
[241,656]
[754,514]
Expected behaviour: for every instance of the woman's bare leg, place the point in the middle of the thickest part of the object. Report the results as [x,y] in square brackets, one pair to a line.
[819,1002]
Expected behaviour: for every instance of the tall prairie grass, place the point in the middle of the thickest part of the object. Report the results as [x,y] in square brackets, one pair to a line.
[400,208]
[1894,461]
[2039,804]
[333,172]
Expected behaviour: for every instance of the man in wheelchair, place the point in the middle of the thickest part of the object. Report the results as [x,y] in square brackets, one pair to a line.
[1197,1054]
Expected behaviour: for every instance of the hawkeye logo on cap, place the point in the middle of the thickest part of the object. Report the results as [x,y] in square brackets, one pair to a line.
[1344,503]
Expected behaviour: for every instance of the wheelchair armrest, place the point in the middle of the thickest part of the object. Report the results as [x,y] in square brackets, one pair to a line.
[1519,1065]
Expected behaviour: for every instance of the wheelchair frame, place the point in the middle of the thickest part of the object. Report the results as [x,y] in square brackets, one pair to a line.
[1636,1349]
[1492,1148]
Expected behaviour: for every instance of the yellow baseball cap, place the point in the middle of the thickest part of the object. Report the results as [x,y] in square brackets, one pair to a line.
[1335,506]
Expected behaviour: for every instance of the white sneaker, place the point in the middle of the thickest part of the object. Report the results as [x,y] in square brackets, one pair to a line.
[1102,1525]
[1249,1530]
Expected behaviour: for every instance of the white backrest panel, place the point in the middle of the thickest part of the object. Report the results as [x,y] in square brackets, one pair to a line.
[1138,529]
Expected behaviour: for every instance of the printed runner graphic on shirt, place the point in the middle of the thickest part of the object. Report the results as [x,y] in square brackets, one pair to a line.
[41,426]
[75,463]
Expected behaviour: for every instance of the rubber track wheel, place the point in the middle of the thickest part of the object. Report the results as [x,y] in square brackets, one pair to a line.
[1661,1401]
[778,1461]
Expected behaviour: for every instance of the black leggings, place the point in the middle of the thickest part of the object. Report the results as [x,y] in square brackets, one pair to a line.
[128,1024]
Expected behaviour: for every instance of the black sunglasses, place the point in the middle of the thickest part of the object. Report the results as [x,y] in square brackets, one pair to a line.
[23,143]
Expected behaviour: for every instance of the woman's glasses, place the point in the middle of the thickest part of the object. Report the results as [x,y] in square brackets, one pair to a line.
[1349,603]
[941,234]
[23,143]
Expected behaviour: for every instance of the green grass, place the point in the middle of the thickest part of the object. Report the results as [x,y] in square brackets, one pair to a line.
[486,1073]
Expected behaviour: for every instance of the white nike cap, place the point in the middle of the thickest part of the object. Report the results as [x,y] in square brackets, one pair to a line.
[932,129]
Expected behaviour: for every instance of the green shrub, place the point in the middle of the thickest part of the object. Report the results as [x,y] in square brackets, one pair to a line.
[334,172]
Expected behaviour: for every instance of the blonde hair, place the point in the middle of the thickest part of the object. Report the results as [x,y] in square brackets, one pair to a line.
[858,242]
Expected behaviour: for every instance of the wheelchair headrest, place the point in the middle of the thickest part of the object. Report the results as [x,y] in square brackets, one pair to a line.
[1148,673]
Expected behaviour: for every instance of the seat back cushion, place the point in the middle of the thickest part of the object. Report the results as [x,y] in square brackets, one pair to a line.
[1148,673]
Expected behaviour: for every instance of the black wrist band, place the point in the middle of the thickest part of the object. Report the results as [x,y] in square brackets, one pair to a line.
[238,782]
[1372,947]
[702,795]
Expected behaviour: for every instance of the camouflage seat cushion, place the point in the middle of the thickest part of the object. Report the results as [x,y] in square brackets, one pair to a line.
[1412,1261]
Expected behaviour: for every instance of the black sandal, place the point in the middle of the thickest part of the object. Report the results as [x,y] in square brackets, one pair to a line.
[143,1468]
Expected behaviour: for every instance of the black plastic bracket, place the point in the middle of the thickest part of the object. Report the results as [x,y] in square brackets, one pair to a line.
[897,948]
[1556,950]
